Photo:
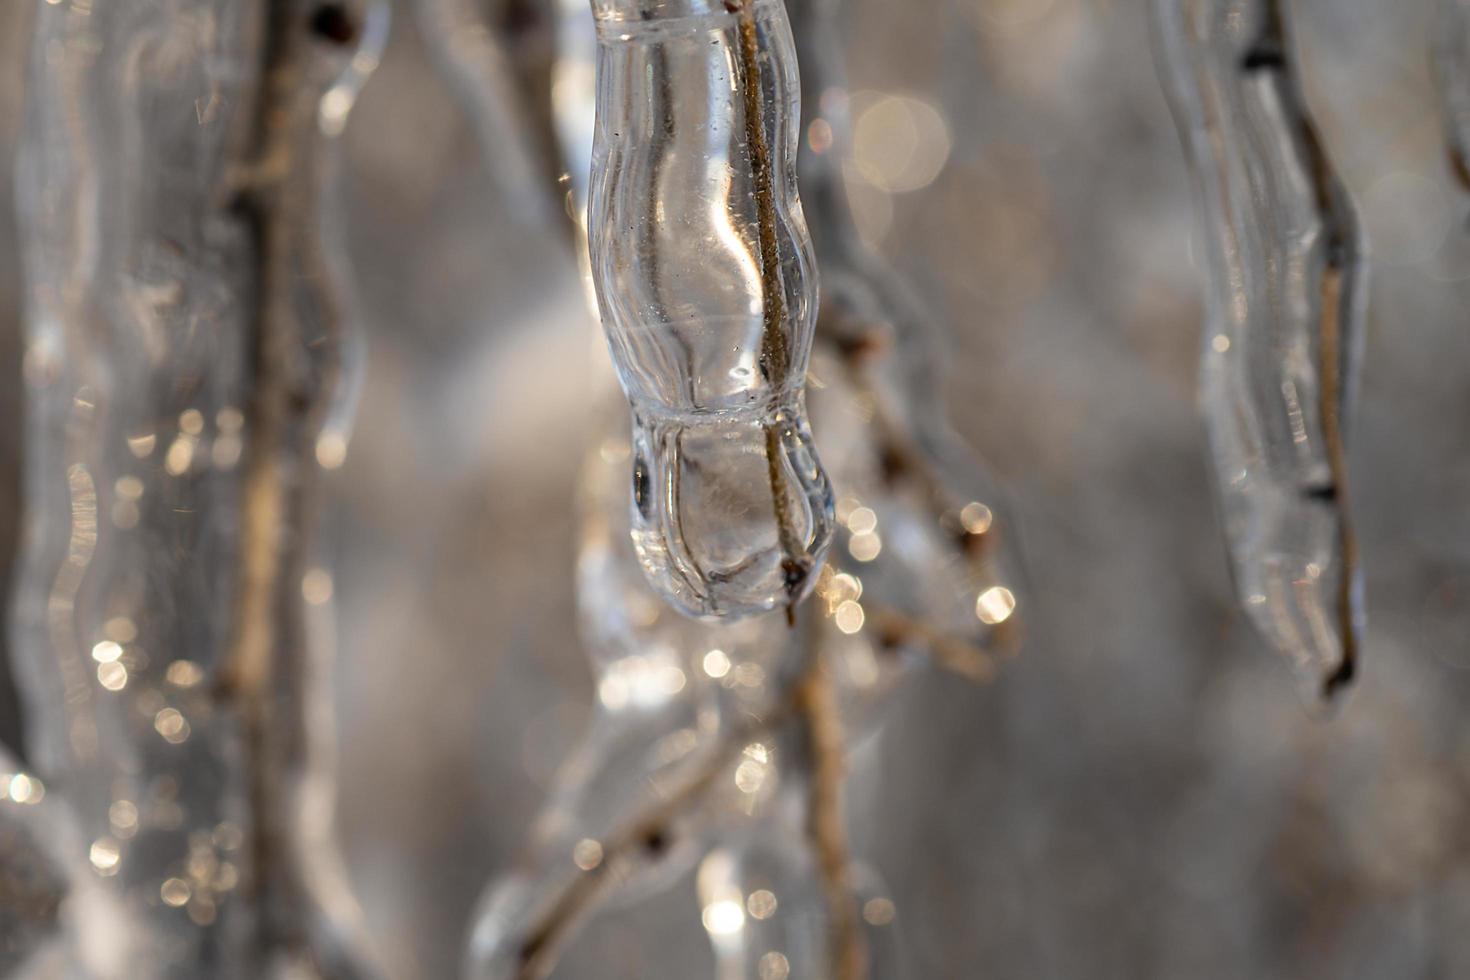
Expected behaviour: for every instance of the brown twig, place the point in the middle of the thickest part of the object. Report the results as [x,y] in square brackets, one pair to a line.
[902,461]
[810,699]
[822,725]
[897,629]
[775,357]
[651,834]
[247,678]
[1273,51]
[1331,366]
[266,677]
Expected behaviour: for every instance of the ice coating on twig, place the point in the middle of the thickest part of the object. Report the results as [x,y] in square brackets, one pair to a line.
[883,606]
[685,747]
[136,384]
[707,286]
[308,362]
[680,700]
[179,279]
[1284,320]
[905,475]
[668,690]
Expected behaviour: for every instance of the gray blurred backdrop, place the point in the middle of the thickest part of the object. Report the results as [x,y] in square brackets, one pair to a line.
[1140,794]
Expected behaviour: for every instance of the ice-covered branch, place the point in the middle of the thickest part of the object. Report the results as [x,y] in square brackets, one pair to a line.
[185,349]
[137,375]
[725,743]
[1284,317]
[707,288]
[876,338]
[307,371]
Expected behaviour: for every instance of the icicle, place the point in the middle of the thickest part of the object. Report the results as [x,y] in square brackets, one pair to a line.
[136,370]
[678,762]
[1287,284]
[308,364]
[344,360]
[173,722]
[706,281]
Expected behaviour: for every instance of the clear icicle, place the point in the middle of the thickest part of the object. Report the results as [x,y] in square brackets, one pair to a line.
[1284,315]
[172,221]
[136,375]
[686,707]
[345,358]
[707,286]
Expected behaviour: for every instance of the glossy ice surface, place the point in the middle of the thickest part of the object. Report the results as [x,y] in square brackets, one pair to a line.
[924,570]
[144,229]
[136,364]
[705,276]
[1284,324]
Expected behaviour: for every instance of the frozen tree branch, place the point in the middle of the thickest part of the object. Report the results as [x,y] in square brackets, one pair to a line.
[186,350]
[1284,314]
[687,709]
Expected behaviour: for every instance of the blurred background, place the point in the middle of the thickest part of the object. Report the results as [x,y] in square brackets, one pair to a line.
[1140,793]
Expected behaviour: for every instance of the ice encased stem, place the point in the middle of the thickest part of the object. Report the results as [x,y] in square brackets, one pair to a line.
[136,383]
[707,286]
[1283,325]
[882,416]
[660,720]
[675,695]
[165,251]
[310,360]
